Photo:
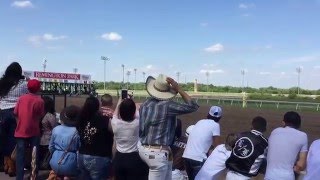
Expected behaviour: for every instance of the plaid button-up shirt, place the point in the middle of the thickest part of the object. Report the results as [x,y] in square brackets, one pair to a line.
[11,99]
[158,119]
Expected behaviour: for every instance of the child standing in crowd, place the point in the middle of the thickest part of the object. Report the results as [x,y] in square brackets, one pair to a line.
[12,86]
[127,162]
[48,122]
[216,162]
[95,152]
[29,111]
[64,144]
[106,105]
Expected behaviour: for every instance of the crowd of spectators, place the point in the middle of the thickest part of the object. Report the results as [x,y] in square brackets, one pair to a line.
[141,141]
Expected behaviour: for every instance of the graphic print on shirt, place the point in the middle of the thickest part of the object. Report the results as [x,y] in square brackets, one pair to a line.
[243,148]
[89,132]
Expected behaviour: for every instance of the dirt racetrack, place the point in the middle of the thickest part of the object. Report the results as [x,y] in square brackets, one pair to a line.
[234,119]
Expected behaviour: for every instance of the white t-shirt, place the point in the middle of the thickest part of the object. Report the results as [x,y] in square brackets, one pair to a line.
[313,161]
[215,164]
[126,134]
[200,139]
[284,146]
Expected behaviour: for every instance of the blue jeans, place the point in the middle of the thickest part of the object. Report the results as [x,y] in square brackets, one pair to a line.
[21,148]
[93,167]
[8,126]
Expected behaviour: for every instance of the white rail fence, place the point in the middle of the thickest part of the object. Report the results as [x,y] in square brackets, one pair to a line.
[254,103]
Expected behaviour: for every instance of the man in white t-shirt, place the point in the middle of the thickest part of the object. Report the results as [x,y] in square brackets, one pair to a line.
[313,161]
[204,134]
[287,151]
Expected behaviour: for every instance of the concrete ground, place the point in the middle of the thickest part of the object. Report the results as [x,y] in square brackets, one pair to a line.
[43,175]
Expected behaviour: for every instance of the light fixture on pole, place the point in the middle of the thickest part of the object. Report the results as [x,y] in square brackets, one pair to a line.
[144,76]
[122,65]
[299,70]
[178,76]
[243,72]
[128,76]
[75,70]
[104,59]
[135,77]
[207,74]
[44,65]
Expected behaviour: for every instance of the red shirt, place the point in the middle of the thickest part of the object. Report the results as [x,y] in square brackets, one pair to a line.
[29,110]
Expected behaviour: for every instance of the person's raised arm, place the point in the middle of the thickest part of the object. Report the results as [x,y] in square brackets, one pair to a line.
[116,111]
[175,86]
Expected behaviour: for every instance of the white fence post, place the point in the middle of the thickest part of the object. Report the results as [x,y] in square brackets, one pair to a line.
[318,107]
[297,106]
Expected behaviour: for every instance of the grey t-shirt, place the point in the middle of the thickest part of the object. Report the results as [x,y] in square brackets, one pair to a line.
[284,146]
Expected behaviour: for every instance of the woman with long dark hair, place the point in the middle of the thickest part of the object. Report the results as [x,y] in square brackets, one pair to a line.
[96,139]
[12,86]
[125,125]
[48,122]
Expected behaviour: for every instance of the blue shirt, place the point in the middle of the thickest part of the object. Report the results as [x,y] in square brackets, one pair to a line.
[59,142]
[158,119]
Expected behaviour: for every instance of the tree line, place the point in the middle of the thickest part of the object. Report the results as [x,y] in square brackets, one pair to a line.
[211,88]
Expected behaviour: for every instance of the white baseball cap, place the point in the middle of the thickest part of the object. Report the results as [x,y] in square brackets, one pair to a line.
[215,111]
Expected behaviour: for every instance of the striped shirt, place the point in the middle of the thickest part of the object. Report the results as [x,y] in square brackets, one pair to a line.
[157,120]
[10,100]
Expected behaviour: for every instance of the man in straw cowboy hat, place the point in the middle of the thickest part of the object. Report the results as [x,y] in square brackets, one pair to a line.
[157,124]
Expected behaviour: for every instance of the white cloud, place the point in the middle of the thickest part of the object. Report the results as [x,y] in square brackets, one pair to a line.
[203,71]
[204,24]
[112,36]
[37,40]
[246,15]
[264,73]
[50,37]
[215,48]
[209,65]
[246,6]
[283,73]
[316,67]
[301,59]
[149,66]
[22,4]
[269,46]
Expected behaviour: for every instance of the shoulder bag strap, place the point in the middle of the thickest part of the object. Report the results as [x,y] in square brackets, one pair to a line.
[67,149]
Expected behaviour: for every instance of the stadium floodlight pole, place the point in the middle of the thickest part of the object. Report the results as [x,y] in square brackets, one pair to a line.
[299,70]
[144,76]
[122,65]
[75,70]
[207,74]
[178,76]
[44,65]
[243,72]
[128,76]
[104,59]
[135,77]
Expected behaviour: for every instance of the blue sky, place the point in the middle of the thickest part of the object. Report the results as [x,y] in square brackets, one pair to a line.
[268,39]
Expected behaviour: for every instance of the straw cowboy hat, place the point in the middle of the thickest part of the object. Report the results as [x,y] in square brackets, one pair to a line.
[159,88]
